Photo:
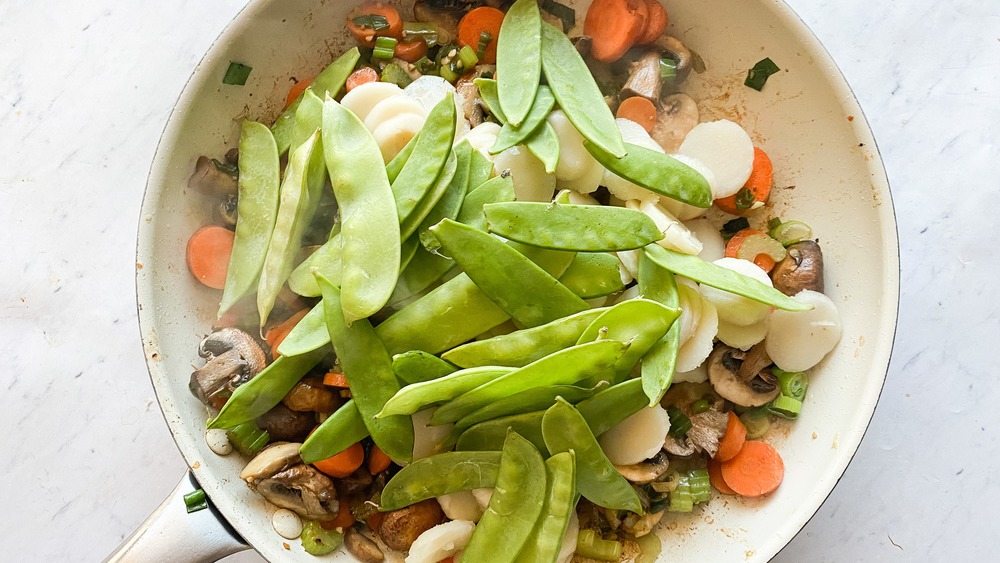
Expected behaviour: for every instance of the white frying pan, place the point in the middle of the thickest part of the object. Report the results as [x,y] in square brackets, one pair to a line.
[827,173]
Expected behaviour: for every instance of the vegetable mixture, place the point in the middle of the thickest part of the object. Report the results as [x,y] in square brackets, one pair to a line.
[491,291]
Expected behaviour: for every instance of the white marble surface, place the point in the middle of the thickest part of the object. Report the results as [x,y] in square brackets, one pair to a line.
[87,86]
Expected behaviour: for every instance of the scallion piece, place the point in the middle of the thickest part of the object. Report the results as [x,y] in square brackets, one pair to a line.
[247,438]
[195,501]
[237,74]
[484,42]
[697,63]
[699,484]
[448,74]
[371,21]
[424,65]
[791,232]
[744,199]
[793,383]
[395,74]
[385,47]
[566,14]
[668,69]
[785,407]
[758,75]
[680,498]
[773,223]
[679,422]
[415,31]
[589,545]
[730,228]
[467,57]
[318,541]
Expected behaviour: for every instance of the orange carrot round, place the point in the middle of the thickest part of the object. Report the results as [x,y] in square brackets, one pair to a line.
[208,252]
[377,461]
[715,477]
[374,520]
[277,334]
[335,379]
[759,183]
[764,262]
[296,90]
[614,26]
[344,463]
[361,76]
[473,24]
[732,440]
[756,471]
[639,110]
[411,52]
[365,35]
[656,22]
[344,518]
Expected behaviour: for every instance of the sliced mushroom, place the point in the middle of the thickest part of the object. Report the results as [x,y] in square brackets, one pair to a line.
[644,79]
[273,459]
[674,49]
[233,359]
[707,428]
[802,268]
[723,366]
[310,394]
[364,549]
[282,423]
[676,115]
[678,446]
[472,102]
[645,472]
[227,210]
[400,528]
[583,43]
[211,177]
[303,490]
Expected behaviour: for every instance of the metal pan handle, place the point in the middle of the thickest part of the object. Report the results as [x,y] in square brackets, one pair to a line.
[171,534]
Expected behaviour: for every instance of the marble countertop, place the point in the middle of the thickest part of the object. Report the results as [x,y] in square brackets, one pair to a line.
[87,86]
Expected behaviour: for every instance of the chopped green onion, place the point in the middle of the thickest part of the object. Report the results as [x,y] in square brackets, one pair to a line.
[698,482]
[385,47]
[372,21]
[700,406]
[793,383]
[730,228]
[659,504]
[757,421]
[589,545]
[226,168]
[447,73]
[697,63]
[785,407]
[679,422]
[424,65]
[484,43]
[566,14]
[680,498]
[668,69]
[467,57]
[758,75]
[446,59]
[247,438]
[237,74]
[791,232]
[396,75]
[773,223]
[744,199]
[317,541]
[415,31]
[195,501]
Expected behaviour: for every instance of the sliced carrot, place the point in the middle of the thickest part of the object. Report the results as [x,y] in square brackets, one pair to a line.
[764,262]
[344,463]
[361,76]
[296,90]
[756,471]
[614,26]
[335,379]
[366,35]
[377,461]
[715,477]
[656,22]
[411,52]
[374,520]
[447,560]
[639,110]
[759,183]
[208,252]
[473,24]
[277,334]
[732,440]
[344,517]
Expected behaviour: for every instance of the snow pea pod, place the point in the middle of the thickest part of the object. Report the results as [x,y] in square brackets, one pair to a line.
[494,190]
[431,198]
[564,429]
[560,502]
[480,169]
[721,278]
[426,268]
[511,135]
[565,367]
[521,347]
[657,172]
[490,435]
[438,475]
[330,80]
[370,231]
[368,369]
[587,228]
[639,322]
[593,274]
[260,394]
[612,405]
[299,196]
[308,334]
[396,164]
[544,143]
[259,179]
[451,202]
[417,366]
[308,118]
[489,93]
[423,168]
[578,95]
[519,60]
[515,504]
[417,396]
[327,259]
[503,273]
[658,284]
[339,431]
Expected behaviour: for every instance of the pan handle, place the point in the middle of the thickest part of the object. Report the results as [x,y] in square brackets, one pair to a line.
[172,534]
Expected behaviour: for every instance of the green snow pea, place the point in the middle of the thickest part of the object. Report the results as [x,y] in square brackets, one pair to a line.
[259,179]
[511,135]
[368,369]
[565,429]
[578,95]
[370,232]
[721,278]
[490,435]
[339,431]
[565,367]
[639,322]
[308,334]
[658,284]
[327,259]
[308,118]
[451,202]
[503,273]
[522,347]
[300,193]
[560,502]
[417,366]
[260,394]
[437,191]
[519,60]
[544,143]
[488,92]
[331,80]
[396,164]
[480,169]
[495,190]
[425,269]
[417,396]
[612,405]
[586,228]
[515,504]
[423,168]
[593,274]
[438,475]
[407,250]
[657,172]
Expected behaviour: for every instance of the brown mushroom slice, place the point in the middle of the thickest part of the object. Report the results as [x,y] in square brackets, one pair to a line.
[472,101]
[362,548]
[676,115]
[707,428]
[400,528]
[310,394]
[802,268]
[233,359]
[303,490]
[723,366]
[678,446]
[644,79]
[284,424]
[646,471]
[211,178]
[273,459]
